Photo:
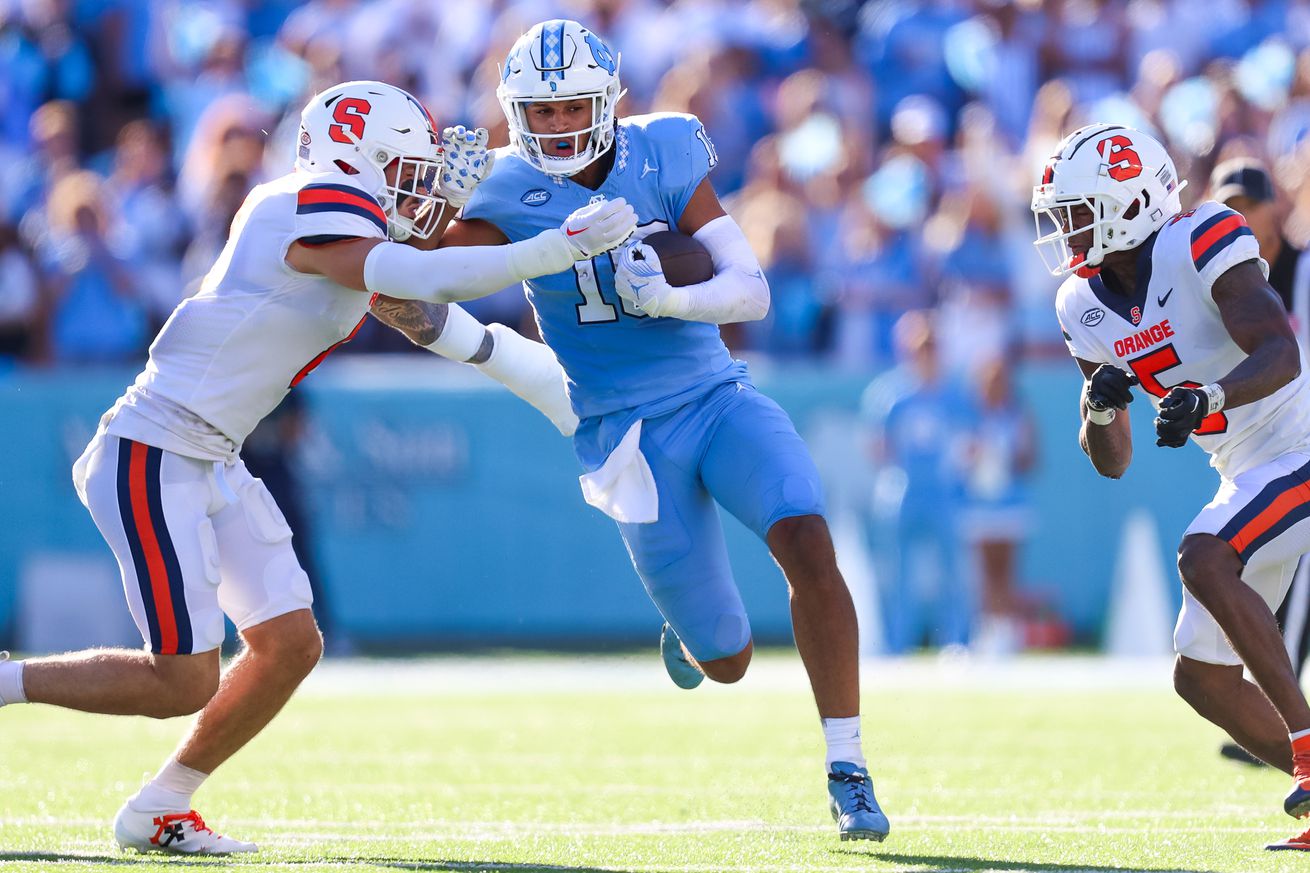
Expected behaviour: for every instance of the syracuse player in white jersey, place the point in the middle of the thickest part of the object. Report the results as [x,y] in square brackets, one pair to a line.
[195,535]
[1177,303]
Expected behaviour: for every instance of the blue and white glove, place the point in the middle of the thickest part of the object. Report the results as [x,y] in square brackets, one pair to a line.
[467,163]
[639,279]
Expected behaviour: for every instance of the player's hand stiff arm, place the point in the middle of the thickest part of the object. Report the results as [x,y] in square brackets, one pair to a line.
[457,273]
[465,163]
[738,291]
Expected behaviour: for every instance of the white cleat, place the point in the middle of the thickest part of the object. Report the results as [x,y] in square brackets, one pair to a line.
[176,833]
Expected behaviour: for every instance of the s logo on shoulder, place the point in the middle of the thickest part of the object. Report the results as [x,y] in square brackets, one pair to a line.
[535,197]
[1092,317]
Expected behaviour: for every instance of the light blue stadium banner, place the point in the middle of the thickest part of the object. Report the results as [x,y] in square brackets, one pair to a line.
[447,513]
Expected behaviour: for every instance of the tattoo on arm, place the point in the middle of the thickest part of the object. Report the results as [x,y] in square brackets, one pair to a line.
[422,322]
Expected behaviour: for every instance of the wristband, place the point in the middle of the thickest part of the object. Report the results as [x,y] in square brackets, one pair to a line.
[1214,395]
[1101,416]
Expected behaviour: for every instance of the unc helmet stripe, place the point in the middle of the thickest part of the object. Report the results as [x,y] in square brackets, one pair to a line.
[552,52]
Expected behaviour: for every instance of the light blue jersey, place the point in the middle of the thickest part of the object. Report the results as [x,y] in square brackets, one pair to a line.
[614,356]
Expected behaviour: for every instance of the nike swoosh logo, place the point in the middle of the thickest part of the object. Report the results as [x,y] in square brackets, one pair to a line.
[576,232]
[1161,300]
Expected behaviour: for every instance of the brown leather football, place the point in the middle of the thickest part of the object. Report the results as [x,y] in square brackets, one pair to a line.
[684,259]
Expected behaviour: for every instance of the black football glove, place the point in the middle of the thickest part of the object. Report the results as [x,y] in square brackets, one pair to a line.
[1109,388]
[1181,412]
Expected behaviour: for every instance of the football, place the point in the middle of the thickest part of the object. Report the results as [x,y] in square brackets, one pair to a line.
[684,259]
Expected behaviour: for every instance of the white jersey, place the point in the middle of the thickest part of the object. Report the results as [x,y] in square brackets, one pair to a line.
[1171,333]
[227,356]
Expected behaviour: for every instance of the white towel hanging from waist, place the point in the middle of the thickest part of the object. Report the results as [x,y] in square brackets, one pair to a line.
[624,487]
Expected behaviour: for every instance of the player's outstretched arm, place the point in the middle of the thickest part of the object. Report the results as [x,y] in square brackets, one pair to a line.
[526,368]
[1106,435]
[464,273]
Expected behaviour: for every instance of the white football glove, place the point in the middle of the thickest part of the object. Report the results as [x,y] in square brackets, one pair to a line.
[599,227]
[467,163]
[639,279]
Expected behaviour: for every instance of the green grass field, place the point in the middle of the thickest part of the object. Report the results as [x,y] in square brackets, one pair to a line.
[548,764]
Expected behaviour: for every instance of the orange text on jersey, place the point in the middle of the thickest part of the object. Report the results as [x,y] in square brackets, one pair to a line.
[1143,339]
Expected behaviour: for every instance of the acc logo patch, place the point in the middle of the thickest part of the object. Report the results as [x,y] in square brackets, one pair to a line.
[1092,317]
[535,197]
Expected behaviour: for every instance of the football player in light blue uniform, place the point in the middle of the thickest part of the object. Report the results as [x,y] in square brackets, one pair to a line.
[670,423]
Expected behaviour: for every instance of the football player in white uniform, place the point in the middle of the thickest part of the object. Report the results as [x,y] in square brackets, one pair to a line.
[196,536]
[1177,303]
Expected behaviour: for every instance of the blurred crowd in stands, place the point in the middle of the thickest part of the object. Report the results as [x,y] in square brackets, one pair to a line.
[879,155]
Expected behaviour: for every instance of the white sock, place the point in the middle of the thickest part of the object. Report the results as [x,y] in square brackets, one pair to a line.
[11,683]
[170,790]
[843,738]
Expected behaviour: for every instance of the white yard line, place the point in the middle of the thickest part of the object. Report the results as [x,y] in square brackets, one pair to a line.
[316,831]
[590,674]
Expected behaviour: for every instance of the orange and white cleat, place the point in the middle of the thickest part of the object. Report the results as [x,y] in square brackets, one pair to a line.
[1300,841]
[180,833]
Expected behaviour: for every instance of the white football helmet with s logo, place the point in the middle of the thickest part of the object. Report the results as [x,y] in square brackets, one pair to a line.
[560,60]
[363,128]
[1127,180]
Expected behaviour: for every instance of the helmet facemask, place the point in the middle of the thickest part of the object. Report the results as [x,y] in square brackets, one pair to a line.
[399,178]
[415,179]
[1058,214]
[538,148]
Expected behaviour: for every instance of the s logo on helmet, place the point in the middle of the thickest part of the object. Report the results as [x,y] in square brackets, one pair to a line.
[1092,317]
[535,197]
[1123,162]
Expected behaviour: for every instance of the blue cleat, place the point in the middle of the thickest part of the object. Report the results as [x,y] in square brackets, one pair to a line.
[683,672]
[853,806]
[1297,803]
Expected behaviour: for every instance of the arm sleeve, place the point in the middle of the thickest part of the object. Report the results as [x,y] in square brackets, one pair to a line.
[737,292]
[463,272]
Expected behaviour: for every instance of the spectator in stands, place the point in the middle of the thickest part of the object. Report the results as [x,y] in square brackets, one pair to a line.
[146,211]
[997,517]
[25,183]
[20,298]
[919,424]
[96,312]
